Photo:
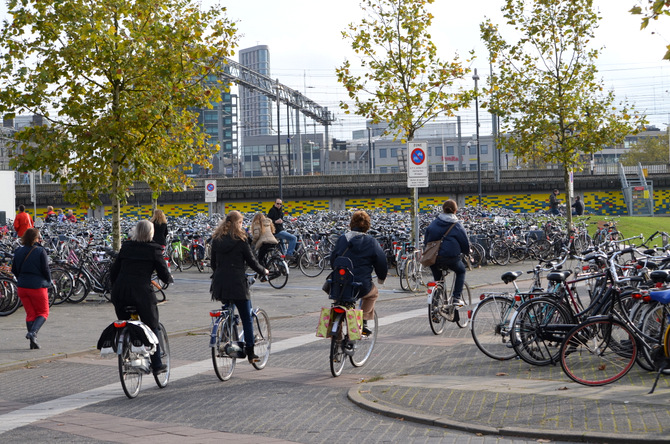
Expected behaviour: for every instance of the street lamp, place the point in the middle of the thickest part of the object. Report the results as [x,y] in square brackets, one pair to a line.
[475,77]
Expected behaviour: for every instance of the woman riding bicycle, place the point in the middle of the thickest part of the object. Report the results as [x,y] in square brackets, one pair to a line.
[262,233]
[366,255]
[453,245]
[230,253]
[130,276]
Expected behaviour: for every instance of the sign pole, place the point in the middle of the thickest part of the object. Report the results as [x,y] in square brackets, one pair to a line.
[417,177]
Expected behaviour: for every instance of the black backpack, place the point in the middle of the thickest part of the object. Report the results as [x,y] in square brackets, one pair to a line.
[343,288]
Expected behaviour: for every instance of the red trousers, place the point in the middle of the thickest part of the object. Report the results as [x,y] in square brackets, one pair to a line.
[35,301]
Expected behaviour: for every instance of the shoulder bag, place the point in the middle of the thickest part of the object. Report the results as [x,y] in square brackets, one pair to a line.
[430,250]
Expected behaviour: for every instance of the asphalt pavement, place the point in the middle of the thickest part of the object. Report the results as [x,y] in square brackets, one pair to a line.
[509,399]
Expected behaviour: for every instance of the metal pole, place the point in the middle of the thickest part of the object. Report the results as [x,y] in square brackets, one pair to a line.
[494,144]
[370,149]
[281,189]
[479,166]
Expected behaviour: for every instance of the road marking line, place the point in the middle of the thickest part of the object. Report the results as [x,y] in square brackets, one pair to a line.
[37,412]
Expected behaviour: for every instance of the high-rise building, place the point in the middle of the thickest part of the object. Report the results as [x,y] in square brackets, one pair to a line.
[256,109]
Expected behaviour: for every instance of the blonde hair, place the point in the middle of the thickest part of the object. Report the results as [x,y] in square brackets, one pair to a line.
[159,217]
[229,226]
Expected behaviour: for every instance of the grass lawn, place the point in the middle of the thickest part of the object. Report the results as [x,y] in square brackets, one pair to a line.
[631,226]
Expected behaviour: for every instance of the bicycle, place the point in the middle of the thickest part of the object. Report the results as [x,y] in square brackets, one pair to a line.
[343,343]
[227,342]
[133,356]
[441,306]
[277,268]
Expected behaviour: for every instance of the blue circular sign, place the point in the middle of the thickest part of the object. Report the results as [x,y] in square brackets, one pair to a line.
[210,187]
[418,156]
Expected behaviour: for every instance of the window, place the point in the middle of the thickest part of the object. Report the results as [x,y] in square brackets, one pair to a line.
[485,166]
[450,151]
[438,151]
[383,170]
[484,149]
[473,167]
[382,153]
[394,152]
[430,150]
[461,150]
[473,149]
[450,167]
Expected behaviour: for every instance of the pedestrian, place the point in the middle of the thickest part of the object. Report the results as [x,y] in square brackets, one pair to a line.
[262,233]
[71,217]
[160,228]
[553,203]
[578,207]
[51,215]
[231,253]
[130,276]
[33,279]
[60,217]
[366,256]
[22,221]
[276,215]
[455,242]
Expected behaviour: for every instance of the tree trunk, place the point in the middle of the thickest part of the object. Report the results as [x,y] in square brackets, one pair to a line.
[568,197]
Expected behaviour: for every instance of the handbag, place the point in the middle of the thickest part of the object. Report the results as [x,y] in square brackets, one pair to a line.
[430,250]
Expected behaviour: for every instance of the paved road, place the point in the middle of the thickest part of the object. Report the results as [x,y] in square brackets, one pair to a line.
[417,387]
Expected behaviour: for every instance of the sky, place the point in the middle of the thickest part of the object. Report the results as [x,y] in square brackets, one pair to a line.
[304,37]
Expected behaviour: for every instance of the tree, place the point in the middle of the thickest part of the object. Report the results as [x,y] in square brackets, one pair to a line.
[544,86]
[647,150]
[405,83]
[114,80]
[653,11]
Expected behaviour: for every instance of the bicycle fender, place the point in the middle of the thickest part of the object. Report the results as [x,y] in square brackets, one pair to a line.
[212,336]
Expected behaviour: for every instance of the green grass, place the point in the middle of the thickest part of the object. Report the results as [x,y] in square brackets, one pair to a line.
[631,226]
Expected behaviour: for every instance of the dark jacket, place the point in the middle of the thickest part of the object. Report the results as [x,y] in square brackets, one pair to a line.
[229,260]
[131,272]
[31,269]
[579,207]
[160,233]
[274,214]
[455,243]
[366,255]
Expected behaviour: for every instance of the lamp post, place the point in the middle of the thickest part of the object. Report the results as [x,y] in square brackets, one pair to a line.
[475,77]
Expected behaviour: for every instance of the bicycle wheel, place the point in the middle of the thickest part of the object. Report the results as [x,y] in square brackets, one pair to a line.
[462,320]
[499,253]
[163,378]
[598,352]
[490,327]
[311,262]
[82,287]
[262,338]
[9,295]
[175,258]
[652,324]
[478,255]
[337,355]
[401,274]
[187,259]
[412,275]
[530,337]
[224,364]
[64,283]
[541,249]
[278,269]
[363,347]
[436,307]
[131,378]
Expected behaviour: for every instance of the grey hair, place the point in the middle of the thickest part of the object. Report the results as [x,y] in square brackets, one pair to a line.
[143,231]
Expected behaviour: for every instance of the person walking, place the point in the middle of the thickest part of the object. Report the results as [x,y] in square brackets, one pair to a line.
[455,242]
[276,215]
[160,228]
[366,256]
[578,207]
[22,221]
[50,215]
[553,203]
[231,253]
[131,274]
[33,279]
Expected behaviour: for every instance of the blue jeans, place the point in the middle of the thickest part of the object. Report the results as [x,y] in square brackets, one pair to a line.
[291,239]
[454,264]
[244,310]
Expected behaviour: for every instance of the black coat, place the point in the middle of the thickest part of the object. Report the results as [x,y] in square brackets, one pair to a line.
[31,269]
[160,233]
[229,260]
[131,273]
[365,253]
[455,243]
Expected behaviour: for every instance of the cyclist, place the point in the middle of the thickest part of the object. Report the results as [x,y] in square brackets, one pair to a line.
[130,276]
[366,255]
[276,215]
[453,245]
[262,233]
[230,253]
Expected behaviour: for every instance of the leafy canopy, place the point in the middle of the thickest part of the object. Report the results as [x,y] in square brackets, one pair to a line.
[404,83]
[653,11]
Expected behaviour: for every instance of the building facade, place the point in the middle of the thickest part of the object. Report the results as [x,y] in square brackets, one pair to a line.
[256,108]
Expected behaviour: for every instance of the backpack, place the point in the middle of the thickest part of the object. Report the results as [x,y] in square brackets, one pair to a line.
[343,288]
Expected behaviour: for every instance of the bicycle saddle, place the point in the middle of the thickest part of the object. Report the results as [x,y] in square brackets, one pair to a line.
[510,276]
[559,276]
[662,296]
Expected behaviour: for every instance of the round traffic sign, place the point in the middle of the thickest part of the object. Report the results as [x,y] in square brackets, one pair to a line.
[418,156]
[210,187]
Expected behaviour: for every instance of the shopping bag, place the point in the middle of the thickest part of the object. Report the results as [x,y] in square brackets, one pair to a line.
[323,329]
[354,324]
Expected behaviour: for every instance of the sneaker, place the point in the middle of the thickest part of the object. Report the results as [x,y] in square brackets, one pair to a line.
[366,331]
[458,302]
[160,369]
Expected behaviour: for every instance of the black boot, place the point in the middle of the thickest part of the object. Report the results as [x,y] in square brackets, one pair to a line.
[34,328]
[251,356]
[366,331]
[157,365]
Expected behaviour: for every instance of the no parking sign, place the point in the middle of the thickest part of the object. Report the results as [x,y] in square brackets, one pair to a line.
[417,165]
[210,191]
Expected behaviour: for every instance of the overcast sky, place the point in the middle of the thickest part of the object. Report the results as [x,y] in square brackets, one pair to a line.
[304,37]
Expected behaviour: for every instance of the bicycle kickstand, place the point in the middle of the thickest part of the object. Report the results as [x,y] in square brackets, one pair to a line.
[658,375]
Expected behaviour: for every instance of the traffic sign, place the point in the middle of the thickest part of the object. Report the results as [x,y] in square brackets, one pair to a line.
[417,167]
[210,191]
